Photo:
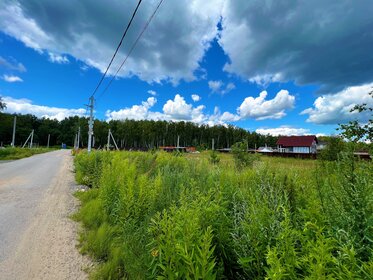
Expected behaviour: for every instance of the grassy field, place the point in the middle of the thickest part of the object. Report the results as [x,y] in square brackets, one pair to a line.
[18,153]
[166,216]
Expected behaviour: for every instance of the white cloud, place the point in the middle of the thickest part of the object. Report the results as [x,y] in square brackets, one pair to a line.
[259,108]
[14,23]
[57,58]
[136,112]
[215,86]
[12,79]
[84,67]
[25,106]
[219,87]
[217,118]
[173,110]
[266,79]
[229,87]
[12,64]
[196,97]
[170,50]
[229,117]
[283,130]
[152,92]
[335,108]
[178,109]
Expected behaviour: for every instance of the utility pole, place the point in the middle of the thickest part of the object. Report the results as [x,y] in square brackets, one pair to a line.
[14,132]
[77,143]
[32,138]
[49,137]
[115,143]
[213,144]
[90,123]
[108,141]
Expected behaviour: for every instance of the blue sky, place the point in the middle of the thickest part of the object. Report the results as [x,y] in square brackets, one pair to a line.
[263,66]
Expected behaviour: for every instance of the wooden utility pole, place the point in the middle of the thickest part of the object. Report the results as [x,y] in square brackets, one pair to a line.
[49,136]
[14,132]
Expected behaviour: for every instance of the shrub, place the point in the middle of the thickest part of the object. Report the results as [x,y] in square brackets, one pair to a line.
[334,147]
[214,157]
[241,156]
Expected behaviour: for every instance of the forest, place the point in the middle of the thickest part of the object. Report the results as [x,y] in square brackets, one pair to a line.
[144,134]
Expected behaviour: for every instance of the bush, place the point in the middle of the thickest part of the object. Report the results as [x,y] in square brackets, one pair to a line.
[214,157]
[241,156]
[334,146]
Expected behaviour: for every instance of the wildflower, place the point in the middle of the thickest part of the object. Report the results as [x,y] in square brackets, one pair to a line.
[155,253]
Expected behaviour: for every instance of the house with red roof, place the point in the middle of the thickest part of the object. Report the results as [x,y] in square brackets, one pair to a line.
[297,144]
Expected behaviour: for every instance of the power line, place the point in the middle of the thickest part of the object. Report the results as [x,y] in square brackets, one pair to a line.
[120,43]
[132,47]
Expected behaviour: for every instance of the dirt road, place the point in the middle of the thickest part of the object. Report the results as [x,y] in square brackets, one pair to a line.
[37,238]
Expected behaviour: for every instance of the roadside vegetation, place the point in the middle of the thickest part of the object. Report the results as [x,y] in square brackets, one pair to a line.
[18,153]
[222,216]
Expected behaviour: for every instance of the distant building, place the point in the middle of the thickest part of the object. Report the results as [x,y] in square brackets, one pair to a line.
[265,149]
[180,149]
[297,144]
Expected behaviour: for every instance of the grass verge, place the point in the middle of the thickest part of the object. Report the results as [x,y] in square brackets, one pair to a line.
[18,153]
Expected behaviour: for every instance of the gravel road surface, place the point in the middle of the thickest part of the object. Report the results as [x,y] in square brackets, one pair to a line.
[37,238]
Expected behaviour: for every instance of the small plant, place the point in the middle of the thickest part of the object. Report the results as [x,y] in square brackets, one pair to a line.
[241,156]
[214,158]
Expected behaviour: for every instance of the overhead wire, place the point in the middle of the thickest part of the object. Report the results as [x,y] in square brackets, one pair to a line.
[132,47]
[116,51]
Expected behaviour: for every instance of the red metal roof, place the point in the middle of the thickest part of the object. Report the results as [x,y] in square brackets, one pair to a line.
[296,141]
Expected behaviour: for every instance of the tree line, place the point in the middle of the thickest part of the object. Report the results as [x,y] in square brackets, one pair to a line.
[129,134]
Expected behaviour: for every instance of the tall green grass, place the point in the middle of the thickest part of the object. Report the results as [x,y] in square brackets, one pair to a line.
[18,153]
[161,216]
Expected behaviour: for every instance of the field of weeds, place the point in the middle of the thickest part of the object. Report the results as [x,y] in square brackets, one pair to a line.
[173,216]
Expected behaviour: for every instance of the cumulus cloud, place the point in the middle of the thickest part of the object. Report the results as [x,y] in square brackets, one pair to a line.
[12,64]
[136,112]
[25,106]
[178,109]
[259,108]
[196,97]
[335,108]
[310,42]
[170,50]
[57,58]
[152,92]
[12,79]
[283,130]
[219,87]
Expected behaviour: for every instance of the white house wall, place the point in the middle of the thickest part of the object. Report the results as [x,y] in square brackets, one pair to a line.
[301,150]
